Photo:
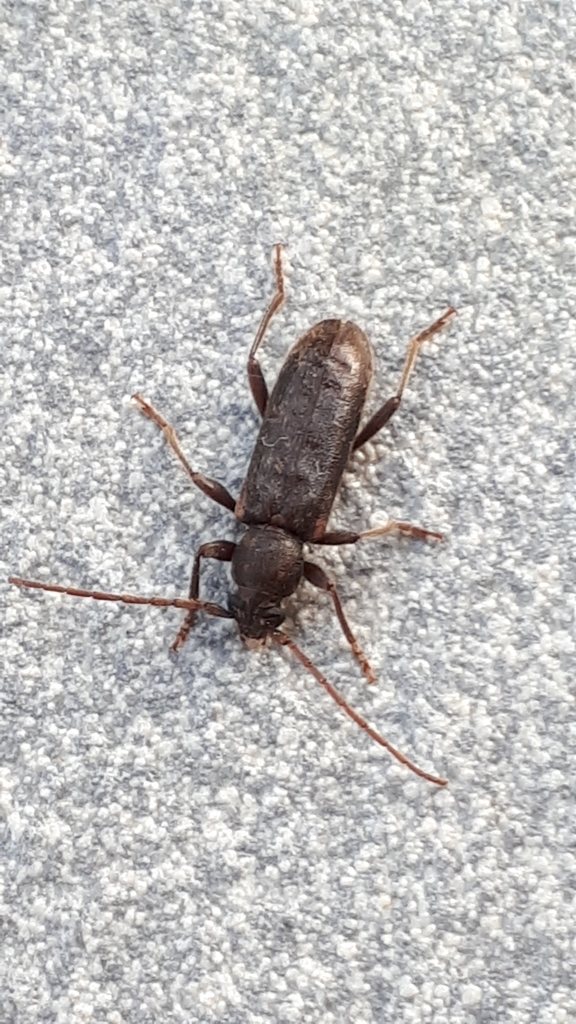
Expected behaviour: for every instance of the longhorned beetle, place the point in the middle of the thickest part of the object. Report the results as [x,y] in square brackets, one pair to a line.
[308,432]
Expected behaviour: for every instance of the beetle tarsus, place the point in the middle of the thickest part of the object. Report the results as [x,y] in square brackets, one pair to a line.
[184,631]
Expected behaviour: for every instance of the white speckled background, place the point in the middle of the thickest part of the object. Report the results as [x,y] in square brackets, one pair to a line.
[208,838]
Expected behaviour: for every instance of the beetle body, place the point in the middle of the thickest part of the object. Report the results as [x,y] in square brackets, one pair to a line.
[306,436]
[309,429]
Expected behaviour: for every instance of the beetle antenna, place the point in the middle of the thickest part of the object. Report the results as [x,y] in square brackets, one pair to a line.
[159,602]
[285,641]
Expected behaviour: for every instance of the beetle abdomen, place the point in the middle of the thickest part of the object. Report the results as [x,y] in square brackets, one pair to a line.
[307,431]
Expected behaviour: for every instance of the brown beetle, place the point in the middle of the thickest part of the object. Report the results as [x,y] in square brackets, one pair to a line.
[309,430]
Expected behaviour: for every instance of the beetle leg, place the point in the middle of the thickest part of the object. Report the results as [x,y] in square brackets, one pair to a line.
[210,487]
[394,526]
[255,375]
[337,537]
[318,578]
[219,549]
[386,411]
[284,641]
[407,529]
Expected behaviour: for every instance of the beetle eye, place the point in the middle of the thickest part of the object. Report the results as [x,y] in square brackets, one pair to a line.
[273,617]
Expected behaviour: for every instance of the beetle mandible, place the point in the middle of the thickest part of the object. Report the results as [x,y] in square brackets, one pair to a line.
[308,432]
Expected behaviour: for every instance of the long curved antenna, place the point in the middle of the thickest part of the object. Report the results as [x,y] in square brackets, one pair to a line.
[283,640]
[158,602]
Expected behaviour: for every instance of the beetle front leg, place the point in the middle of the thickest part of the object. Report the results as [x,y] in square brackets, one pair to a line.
[210,487]
[255,376]
[222,550]
[386,411]
[318,578]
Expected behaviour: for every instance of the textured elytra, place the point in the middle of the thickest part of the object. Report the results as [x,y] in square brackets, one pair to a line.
[307,431]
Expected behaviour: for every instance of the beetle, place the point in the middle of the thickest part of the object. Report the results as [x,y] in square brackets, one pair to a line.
[309,429]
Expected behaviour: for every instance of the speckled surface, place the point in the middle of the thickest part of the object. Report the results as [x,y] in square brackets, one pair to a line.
[208,838]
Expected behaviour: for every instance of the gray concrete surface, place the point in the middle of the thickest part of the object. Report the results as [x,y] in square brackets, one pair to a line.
[208,838]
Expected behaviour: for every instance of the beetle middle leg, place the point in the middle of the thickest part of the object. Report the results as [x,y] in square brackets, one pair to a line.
[255,376]
[318,578]
[393,526]
[210,487]
[386,411]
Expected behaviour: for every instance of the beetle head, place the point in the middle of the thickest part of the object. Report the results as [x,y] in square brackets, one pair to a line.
[267,565]
[255,619]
